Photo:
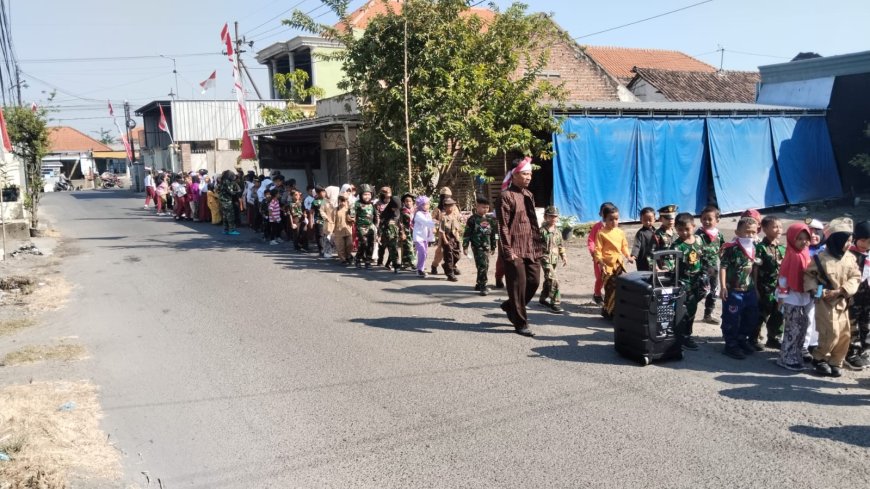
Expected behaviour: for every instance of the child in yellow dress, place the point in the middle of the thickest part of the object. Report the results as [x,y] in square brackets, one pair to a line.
[611,253]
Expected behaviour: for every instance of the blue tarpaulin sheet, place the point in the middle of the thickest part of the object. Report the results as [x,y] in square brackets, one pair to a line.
[805,158]
[754,162]
[596,162]
[672,164]
[744,171]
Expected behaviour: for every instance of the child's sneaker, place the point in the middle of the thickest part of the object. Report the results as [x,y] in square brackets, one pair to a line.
[857,362]
[434,270]
[689,344]
[484,292]
[835,372]
[822,368]
[421,274]
[709,319]
[557,309]
[499,284]
[452,278]
[751,347]
[273,242]
[807,356]
[598,299]
[773,344]
[734,352]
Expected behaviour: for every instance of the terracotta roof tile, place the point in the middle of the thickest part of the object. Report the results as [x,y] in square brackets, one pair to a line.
[66,139]
[361,17]
[694,86]
[619,62]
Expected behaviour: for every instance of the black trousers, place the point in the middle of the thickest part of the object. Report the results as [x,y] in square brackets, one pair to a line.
[450,252]
[522,277]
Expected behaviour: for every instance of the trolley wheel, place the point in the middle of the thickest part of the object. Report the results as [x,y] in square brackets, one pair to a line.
[644,360]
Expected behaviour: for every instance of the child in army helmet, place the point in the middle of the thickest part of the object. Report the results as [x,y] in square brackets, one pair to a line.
[551,297]
[481,233]
[366,218]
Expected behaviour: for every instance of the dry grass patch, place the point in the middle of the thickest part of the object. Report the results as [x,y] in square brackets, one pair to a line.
[31,354]
[52,448]
[9,326]
[22,285]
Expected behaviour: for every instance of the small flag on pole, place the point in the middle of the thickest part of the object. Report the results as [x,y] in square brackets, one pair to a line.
[209,82]
[225,37]
[163,125]
[111,110]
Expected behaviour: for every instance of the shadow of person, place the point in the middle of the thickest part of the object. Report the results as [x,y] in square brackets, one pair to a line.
[793,388]
[428,325]
[598,353]
[853,435]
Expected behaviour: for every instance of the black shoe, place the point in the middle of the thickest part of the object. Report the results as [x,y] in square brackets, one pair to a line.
[734,352]
[358,265]
[750,348]
[806,356]
[598,299]
[606,315]
[504,306]
[368,266]
[452,278]
[556,309]
[421,274]
[773,344]
[542,301]
[457,272]
[381,262]
[499,284]
[395,270]
[689,343]
[823,369]
[856,362]
[835,371]
[525,332]
[484,292]
[434,270]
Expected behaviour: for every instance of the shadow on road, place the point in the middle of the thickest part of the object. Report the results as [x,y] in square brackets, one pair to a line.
[791,388]
[428,325]
[852,435]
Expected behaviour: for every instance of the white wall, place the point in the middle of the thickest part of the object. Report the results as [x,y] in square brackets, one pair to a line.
[646,92]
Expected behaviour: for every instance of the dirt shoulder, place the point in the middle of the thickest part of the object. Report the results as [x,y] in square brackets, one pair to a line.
[50,435]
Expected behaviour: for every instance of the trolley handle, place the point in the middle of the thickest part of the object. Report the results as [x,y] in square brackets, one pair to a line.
[662,254]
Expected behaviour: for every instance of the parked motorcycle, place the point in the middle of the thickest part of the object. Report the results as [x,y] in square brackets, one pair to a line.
[63,185]
[110,180]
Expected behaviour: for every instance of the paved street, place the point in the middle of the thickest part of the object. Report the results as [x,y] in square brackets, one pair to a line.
[227,363]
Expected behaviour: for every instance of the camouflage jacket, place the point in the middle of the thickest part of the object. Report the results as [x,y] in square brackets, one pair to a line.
[553,248]
[364,214]
[770,258]
[662,241]
[481,232]
[738,268]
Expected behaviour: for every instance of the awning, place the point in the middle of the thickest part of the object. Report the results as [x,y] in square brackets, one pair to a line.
[307,124]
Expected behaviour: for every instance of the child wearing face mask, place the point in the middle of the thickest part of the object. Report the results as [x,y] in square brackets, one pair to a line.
[834,275]
[737,290]
[796,304]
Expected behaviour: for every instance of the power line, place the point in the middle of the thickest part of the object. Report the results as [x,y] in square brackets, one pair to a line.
[116,58]
[279,14]
[643,20]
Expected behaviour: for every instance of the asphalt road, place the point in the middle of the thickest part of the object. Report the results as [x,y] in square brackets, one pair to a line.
[226,363]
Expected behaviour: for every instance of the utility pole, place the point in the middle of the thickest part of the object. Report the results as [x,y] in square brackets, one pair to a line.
[240,65]
[407,115]
[174,72]
[129,124]
[18,82]
[721,57]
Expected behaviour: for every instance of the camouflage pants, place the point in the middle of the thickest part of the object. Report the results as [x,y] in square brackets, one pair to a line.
[365,244]
[769,316]
[228,214]
[481,261]
[408,257]
[550,290]
[392,253]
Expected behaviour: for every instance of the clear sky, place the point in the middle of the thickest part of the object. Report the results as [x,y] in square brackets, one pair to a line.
[48,34]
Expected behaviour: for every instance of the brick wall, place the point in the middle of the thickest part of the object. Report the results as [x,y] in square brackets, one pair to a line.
[570,66]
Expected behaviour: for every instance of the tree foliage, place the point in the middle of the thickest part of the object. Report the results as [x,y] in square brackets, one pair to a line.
[295,89]
[474,88]
[28,132]
[105,137]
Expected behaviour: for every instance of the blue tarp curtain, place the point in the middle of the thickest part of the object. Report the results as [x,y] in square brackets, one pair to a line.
[634,163]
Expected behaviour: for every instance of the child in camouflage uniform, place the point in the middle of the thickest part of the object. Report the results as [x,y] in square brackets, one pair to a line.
[859,311]
[663,239]
[737,290]
[406,232]
[229,189]
[481,232]
[366,220]
[551,297]
[693,278]
[770,254]
[713,240]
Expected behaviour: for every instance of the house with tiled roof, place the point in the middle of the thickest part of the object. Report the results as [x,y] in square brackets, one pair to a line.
[655,85]
[620,62]
[72,151]
[362,17]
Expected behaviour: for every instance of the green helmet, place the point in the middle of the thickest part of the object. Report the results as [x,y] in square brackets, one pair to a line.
[365,188]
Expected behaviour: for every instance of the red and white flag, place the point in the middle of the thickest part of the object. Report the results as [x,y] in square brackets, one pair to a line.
[33,107]
[124,139]
[163,125]
[7,144]
[248,152]
[209,82]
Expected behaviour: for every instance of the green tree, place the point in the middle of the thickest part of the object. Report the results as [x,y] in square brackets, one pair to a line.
[474,88]
[28,133]
[105,137]
[295,89]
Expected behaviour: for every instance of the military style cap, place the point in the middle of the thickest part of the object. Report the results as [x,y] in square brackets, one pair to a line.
[365,188]
[449,201]
[551,211]
[445,191]
[669,210]
[840,225]
[814,223]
